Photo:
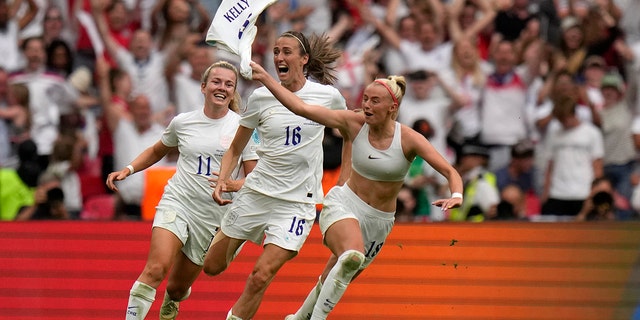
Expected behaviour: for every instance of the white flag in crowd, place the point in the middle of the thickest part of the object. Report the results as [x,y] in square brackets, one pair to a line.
[233,28]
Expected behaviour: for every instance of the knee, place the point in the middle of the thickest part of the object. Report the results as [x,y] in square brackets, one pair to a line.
[155,272]
[350,262]
[259,279]
[213,268]
[178,292]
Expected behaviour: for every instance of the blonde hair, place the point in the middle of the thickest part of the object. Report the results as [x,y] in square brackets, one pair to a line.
[397,86]
[477,75]
[234,104]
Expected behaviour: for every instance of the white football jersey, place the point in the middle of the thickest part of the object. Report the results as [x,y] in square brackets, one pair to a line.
[290,166]
[202,142]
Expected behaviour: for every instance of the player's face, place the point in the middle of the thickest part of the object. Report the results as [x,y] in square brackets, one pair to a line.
[220,87]
[377,103]
[289,59]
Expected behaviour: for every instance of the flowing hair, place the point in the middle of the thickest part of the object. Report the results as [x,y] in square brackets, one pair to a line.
[234,104]
[322,56]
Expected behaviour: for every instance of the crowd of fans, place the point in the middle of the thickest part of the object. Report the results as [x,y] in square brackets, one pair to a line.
[536,102]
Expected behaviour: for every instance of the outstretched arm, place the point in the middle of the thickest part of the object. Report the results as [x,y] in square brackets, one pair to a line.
[420,146]
[144,160]
[319,114]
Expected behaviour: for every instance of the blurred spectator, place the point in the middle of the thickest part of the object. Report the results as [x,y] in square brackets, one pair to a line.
[520,170]
[512,19]
[594,70]
[66,159]
[465,81]
[142,62]
[10,27]
[17,187]
[185,79]
[560,85]
[512,204]
[52,207]
[504,99]
[619,151]
[16,119]
[481,196]
[56,26]
[392,58]
[430,52]
[467,19]
[426,99]
[5,142]
[575,154]
[50,96]
[133,130]
[405,205]
[173,20]
[601,32]
[314,15]
[59,58]
[424,181]
[131,137]
[115,92]
[572,50]
[603,202]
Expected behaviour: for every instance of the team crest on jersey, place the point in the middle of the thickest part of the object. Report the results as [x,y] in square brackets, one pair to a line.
[225,141]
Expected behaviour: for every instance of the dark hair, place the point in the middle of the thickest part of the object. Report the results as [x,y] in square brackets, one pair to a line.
[29,169]
[50,50]
[563,107]
[115,74]
[424,127]
[321,54]
[26,41]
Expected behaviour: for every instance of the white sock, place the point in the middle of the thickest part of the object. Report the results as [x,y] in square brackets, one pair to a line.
[141,297]
[307,306]
[230,316]
[336,283]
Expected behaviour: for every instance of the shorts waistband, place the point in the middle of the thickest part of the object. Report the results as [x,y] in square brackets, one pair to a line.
[385,215]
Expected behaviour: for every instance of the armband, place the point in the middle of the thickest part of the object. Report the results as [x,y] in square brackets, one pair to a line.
[456,195]
[130,167]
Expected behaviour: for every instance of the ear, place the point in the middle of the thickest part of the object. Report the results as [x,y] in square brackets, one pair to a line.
[393,108]
[305,59]
[202,86]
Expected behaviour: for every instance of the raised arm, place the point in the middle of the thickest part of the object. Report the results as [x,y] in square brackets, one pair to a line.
[110,43]
[330,118]
[27,17]
[456,31]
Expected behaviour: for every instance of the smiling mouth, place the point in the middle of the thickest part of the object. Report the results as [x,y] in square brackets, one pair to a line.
[220,96]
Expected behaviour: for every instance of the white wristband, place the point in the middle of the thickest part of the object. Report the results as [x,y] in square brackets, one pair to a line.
[456,195]
[130,167]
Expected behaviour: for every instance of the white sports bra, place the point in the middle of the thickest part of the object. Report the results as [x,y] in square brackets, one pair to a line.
[379,165]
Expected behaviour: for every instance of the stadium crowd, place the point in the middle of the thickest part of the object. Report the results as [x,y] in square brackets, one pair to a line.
[536,102]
